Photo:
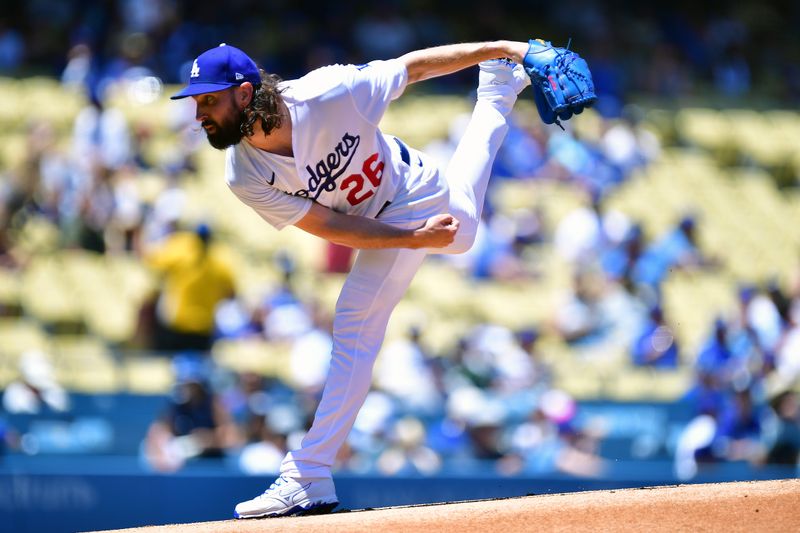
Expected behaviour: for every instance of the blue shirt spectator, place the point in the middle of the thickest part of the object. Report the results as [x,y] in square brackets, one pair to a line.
[706,396]
[676,249]
[655,346]
[715,355]
[739,429]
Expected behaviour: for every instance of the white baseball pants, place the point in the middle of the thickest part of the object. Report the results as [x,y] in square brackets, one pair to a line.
[373,288]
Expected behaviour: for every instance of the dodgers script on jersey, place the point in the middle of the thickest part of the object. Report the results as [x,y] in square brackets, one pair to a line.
[341,159]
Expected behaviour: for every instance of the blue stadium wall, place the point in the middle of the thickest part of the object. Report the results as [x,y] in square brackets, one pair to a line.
[34,501]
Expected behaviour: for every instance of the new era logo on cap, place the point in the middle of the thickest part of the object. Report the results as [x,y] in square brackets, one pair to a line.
[218,69]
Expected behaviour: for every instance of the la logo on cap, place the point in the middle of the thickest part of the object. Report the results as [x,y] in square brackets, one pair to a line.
[195,70]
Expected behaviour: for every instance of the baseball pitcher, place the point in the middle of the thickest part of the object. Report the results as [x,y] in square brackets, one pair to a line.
[309,153]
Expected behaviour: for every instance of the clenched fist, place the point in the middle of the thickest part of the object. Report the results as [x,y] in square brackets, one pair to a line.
[438,231]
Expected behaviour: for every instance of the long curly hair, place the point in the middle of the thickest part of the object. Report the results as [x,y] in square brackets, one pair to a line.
[264,106]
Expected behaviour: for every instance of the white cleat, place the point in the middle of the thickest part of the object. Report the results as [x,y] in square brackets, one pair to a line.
[288,496]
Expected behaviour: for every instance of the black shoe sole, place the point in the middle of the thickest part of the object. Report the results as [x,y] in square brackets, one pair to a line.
[323,508]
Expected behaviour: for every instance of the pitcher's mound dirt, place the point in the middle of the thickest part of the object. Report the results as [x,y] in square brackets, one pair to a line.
[726,507]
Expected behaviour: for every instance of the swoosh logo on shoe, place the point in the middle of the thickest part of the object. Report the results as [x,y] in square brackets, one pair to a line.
[290,493]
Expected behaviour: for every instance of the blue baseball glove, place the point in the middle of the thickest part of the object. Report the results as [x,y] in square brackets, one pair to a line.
[561,81]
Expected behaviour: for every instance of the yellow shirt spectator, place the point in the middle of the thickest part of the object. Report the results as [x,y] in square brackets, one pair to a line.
[197,275]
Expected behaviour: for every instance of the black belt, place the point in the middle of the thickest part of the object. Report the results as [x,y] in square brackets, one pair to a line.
[404,155]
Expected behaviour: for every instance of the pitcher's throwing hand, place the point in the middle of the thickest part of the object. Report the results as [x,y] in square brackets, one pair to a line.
[313,157]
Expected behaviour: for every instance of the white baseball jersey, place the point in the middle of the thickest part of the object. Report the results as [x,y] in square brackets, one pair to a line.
[341,159]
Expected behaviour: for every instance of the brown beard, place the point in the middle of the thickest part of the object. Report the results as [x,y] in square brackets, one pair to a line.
[228,133]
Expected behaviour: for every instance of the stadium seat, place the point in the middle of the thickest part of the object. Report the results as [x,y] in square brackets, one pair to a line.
[147,374]
[84,363]
[252,355]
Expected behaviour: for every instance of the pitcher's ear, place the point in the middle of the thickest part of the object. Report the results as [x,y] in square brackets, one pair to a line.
[244,94]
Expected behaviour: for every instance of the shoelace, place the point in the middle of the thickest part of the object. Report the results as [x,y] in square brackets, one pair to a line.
[275,484]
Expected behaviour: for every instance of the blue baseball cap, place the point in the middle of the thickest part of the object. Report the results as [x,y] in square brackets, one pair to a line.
[217,69]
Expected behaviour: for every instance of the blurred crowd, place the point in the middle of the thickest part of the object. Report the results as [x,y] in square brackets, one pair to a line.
[665,48]
[492,397]
[491,401]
